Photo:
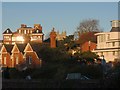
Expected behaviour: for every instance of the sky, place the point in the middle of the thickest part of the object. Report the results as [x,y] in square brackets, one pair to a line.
[63,16]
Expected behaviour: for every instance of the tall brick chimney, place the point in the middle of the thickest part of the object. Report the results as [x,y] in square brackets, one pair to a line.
[53,39]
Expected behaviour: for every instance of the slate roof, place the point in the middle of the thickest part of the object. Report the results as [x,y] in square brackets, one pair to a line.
[115,29]
[9,48]
[36,47]
[7,31]
[21,47]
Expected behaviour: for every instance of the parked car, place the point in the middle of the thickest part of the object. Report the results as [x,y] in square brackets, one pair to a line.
[75,76]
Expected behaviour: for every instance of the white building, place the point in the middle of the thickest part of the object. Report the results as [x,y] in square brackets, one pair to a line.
[108,43]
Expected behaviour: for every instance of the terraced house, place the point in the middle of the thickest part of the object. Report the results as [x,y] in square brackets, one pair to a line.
[20,49]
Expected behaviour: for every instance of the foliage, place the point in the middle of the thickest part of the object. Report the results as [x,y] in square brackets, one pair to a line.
[53,54]
[67,43]
[88,55]
[90,25]
[88,36]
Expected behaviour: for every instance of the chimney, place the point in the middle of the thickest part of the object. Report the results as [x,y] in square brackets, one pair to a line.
[53,39]
[23,26]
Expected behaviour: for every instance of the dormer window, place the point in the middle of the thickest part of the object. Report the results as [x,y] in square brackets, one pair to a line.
[37,31]
[7,31]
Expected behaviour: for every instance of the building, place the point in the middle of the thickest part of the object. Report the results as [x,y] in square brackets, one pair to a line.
[108,43]
[60,36]
[23,34]
[53,39]
[88,46]
[19,54]
[21,49]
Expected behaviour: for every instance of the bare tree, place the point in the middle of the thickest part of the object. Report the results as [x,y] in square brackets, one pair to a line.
[90,25]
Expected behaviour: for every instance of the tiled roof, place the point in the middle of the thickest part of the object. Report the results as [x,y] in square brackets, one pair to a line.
[7,31]
[9,48]
[115,29]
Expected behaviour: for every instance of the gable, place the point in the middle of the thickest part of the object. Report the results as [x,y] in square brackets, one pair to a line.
[3,49]
[8,31]
[15,49]
[28,48]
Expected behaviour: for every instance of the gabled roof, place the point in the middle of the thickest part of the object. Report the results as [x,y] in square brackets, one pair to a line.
[21,47]
[37,31]
[115,29]
[36,47]
[9,48]
[7,31]
[88,36]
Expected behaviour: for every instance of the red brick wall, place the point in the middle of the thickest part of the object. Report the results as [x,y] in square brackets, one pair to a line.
[35,60]
[53,39]
[8,60]
[20,58]
[85,46]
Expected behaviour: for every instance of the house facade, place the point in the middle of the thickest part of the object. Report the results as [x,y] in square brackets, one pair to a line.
[88,46]
[108,43]
[18,55]
[24,34]
[24,52]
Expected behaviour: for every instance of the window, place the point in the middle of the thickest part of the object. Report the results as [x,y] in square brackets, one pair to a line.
[4,60]
[107,53]
[102,38]
[108,36]
[119,43]
[16,60]
[38,36]
[101,53]
[113,44]
[19,31]
[24,31]
[30,60]
[7,31]
[37,31]
[113,52]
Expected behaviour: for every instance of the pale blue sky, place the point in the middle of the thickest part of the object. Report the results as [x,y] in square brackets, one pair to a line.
[62,16]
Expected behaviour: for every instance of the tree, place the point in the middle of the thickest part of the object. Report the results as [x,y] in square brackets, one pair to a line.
[90,25]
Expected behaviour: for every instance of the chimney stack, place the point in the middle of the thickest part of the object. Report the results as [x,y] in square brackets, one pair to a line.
[53,39]
[23,26]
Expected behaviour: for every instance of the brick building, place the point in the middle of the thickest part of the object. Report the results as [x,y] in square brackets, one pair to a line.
[20,49]
[88,46]
[23,34]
